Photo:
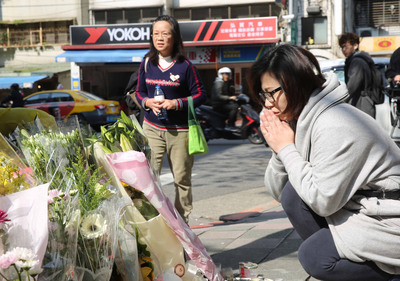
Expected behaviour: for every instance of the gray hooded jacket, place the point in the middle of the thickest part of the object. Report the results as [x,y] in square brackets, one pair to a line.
[339,149]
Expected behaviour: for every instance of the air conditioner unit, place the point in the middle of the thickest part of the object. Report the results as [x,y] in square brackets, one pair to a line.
[367,32]
[313,10]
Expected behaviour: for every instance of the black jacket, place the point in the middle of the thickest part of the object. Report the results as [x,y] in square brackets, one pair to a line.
[358,79]
[394,66]
[16,97]
[221,92]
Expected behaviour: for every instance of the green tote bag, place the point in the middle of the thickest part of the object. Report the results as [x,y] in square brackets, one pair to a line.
[197,141]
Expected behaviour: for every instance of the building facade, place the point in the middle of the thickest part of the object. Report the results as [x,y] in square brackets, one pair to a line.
[39,33]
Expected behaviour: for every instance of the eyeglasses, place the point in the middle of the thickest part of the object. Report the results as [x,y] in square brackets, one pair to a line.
[344,47]
[269,96]
[163,35]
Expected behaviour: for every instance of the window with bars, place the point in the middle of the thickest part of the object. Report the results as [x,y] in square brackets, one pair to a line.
[376,13]
[227,12]
[126,15]
[34,34]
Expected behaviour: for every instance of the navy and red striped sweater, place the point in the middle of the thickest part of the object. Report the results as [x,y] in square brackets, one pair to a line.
[178,81]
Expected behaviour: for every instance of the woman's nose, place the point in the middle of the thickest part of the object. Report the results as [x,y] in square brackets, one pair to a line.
[268,104]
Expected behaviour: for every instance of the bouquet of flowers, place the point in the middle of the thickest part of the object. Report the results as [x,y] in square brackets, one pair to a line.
[50,155]
[132,257]
[81,225]
[17,262]
[163,235]
[23,236]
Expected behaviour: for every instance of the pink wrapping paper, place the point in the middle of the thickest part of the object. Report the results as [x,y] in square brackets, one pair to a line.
[132,168]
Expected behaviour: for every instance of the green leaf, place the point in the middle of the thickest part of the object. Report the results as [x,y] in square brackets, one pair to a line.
[127,120]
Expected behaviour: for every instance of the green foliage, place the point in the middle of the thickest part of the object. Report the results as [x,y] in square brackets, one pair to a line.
[88,181]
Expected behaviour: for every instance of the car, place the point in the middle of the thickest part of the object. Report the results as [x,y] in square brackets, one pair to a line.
[63,104]
[337,66]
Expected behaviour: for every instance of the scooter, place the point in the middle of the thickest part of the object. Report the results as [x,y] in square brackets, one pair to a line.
[213,122]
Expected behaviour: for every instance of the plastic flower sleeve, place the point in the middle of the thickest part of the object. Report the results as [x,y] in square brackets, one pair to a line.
[64,220]
[27,211]
[132,168]
[126,257]
[97,241]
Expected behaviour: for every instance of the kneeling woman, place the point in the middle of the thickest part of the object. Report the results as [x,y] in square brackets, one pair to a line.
[335,171]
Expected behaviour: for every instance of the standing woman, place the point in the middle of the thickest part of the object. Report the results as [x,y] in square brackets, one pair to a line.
[336,173]
[165,65]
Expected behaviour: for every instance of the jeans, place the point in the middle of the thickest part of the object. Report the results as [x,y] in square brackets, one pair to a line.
[318,254]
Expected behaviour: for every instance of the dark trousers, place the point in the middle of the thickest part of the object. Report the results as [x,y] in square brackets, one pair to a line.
[318,254]
[230,109]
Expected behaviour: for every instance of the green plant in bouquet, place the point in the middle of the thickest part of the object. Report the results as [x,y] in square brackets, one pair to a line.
[49,153]
[91,185]
[94,241]
[123,135]
[11,180]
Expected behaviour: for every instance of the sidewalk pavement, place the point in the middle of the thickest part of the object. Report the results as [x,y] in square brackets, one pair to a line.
[261,234]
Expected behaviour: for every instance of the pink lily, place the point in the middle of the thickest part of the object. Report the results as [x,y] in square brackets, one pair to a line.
[3,216]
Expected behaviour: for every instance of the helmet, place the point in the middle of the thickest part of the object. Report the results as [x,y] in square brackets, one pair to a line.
[226,70]
[15,87]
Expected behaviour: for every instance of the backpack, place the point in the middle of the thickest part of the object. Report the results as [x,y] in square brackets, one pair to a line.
[377,90]
[130,91]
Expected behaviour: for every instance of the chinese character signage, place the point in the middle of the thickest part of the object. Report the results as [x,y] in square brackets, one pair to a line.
[237,29]
[193,31]
[242,54]
[201,55]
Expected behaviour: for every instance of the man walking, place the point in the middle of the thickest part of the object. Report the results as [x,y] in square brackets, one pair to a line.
[357,71]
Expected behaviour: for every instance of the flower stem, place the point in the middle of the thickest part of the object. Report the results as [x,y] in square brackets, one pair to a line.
[18,272]
[3,277]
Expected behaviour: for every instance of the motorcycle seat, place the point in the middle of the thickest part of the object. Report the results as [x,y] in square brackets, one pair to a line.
[210,110]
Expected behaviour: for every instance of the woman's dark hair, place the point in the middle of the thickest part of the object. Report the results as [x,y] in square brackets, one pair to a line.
[350,37]
[178,52]
[296,70]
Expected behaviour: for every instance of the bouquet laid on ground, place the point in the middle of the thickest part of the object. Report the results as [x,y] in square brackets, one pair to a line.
[23,218]
[164,233]
[90,207]
[82,206]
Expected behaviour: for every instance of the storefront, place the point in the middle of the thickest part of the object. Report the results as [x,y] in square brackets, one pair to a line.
[104,56]
[380,46]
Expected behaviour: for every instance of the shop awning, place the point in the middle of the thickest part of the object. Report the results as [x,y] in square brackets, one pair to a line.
[23,81]
[102,56]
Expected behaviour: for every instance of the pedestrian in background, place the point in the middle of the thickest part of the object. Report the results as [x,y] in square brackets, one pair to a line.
[358,76]
[15,98]
[335,173]
[165,65]
[223,97]
[393,71]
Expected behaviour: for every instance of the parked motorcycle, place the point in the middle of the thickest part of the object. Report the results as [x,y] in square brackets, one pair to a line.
[213,122]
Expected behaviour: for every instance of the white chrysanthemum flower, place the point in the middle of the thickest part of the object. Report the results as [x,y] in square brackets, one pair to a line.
[93,226]
[27,264]
[26,258]
[35,270]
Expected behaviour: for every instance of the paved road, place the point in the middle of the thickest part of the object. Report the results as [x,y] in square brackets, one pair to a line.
[231,168]
[228,185]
